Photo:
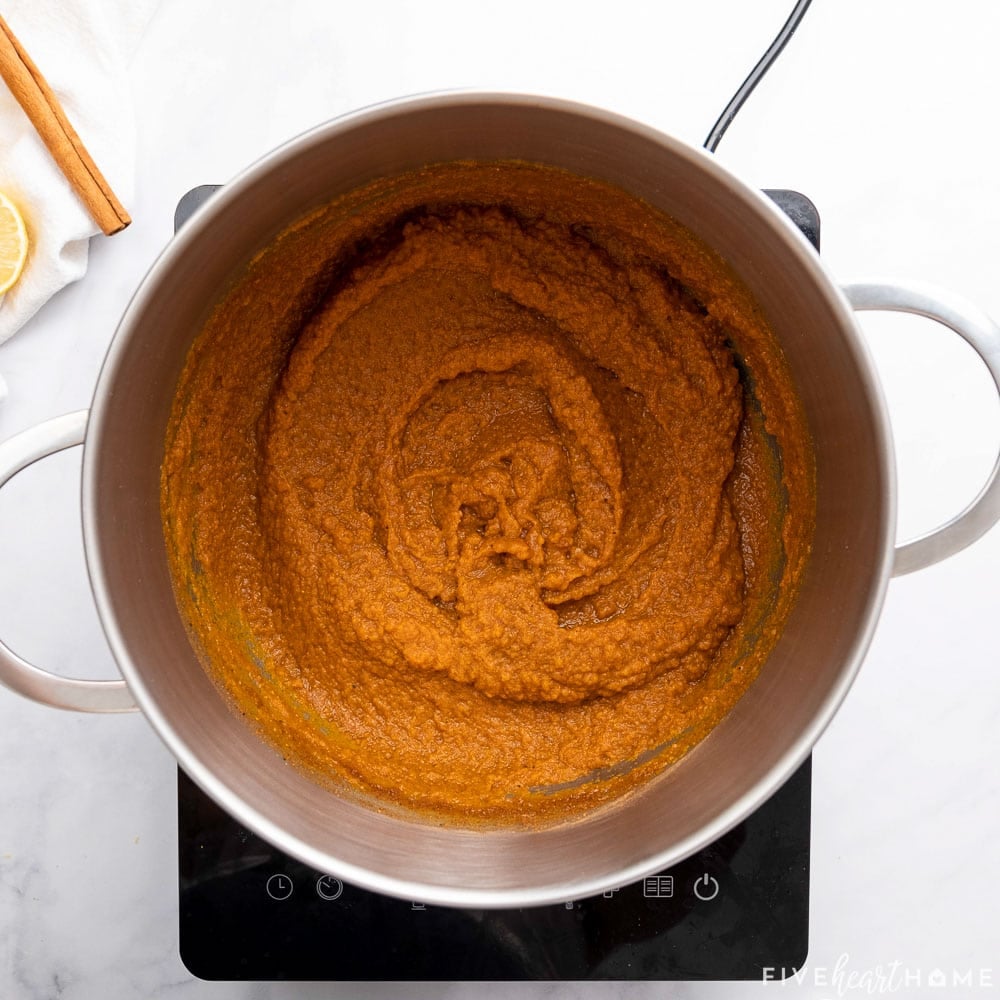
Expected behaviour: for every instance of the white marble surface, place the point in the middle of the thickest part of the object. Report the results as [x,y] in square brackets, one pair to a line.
[884,113]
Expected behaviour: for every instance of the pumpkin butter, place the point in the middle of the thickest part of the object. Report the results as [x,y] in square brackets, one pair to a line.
[486,493]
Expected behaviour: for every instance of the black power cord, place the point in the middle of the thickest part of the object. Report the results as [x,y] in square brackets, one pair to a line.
[756,75]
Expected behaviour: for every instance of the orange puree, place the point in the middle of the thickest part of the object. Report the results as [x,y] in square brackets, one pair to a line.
[486,493]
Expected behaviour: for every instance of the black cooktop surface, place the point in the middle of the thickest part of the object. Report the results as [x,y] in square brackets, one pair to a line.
[733,910]
[247,911]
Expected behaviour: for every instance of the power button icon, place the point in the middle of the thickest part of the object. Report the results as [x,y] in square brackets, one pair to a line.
[706,887]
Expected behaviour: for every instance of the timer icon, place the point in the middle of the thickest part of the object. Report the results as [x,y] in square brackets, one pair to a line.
[329,888]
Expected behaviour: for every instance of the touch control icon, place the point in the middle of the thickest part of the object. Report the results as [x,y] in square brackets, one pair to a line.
[658,887]
[279,887]
[329,888]
[706,887]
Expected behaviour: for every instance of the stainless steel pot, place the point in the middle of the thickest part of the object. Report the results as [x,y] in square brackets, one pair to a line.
[746,757]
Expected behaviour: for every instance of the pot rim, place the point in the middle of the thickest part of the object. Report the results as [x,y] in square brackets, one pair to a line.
[187,756]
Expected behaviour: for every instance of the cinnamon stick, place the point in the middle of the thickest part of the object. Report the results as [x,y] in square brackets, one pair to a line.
[42,107]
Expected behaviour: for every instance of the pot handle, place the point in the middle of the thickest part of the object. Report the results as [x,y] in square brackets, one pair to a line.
[975,327]
[39,685]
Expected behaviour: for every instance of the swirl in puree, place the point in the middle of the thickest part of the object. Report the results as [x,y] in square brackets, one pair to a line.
[486,493]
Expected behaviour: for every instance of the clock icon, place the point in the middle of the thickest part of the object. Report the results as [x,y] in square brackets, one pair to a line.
[279,886]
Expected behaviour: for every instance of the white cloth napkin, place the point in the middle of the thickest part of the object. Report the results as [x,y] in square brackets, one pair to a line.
[83,49]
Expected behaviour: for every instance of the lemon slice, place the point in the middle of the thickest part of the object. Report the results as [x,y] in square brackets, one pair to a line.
[13,243]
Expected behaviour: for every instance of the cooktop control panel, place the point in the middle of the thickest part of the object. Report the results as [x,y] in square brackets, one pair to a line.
[738,907]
